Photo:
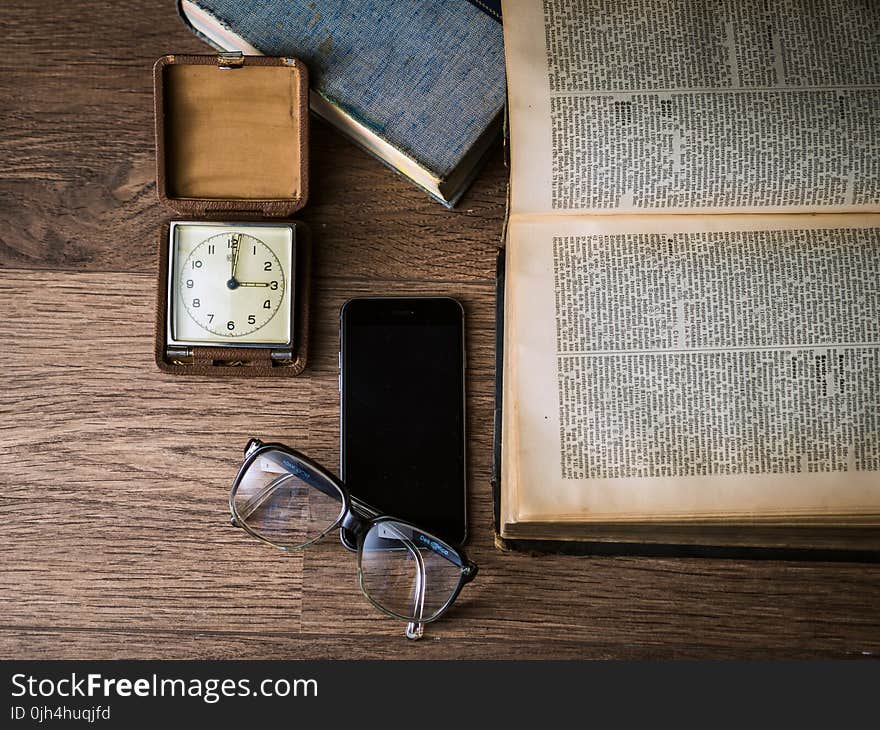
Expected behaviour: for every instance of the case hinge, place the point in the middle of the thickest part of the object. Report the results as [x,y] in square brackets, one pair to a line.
[178,353]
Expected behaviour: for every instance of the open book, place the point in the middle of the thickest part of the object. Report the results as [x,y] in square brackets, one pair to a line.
[692,299]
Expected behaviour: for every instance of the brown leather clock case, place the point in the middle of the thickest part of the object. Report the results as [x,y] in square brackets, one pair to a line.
[232,146]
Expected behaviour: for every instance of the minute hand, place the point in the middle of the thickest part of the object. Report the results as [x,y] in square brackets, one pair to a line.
[236,251]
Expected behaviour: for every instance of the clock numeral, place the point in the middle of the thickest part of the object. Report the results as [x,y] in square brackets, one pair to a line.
[273,286]
[233,242]
[196,303]
[197,264]
[210,248]
[267,266]
[252,319]
[189,284]
[230,325]
[210,318]
[267,304]
[255,250]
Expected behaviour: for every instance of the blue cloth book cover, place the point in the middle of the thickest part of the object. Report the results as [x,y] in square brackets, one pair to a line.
[419,83]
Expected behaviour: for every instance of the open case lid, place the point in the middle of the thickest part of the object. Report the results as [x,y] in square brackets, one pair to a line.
[231,134]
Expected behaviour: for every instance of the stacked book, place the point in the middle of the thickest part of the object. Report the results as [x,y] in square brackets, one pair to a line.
[419,84]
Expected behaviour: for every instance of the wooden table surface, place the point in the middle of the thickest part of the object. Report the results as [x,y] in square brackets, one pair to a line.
[115,477]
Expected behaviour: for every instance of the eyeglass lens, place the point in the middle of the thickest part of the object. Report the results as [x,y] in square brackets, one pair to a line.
[407,571]
[285,502]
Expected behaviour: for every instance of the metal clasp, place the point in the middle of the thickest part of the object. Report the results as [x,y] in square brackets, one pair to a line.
[230,59]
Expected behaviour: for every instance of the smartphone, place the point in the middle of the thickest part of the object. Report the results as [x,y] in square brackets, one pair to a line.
[402,403]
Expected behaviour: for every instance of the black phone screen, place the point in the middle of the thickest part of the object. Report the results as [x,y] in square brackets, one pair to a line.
[403,421]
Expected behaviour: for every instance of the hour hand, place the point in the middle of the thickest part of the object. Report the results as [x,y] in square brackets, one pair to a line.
[253,283]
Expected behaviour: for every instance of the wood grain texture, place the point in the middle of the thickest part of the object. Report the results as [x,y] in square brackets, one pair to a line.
[114,477]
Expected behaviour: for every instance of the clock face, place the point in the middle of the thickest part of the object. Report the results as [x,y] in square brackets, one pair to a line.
[230,285]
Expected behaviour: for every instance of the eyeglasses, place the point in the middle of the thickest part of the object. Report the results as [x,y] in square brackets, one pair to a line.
[287,500]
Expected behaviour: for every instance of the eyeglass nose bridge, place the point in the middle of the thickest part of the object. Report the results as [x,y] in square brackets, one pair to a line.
[252,446]
[354,523]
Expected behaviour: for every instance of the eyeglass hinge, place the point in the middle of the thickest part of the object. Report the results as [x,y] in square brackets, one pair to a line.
[252,446]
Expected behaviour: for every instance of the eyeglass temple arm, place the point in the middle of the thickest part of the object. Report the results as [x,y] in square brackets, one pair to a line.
[361,508]
[249,507]
[318,483]
[415,629]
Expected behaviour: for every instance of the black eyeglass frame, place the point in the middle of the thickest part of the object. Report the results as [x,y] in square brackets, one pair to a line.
[355,516]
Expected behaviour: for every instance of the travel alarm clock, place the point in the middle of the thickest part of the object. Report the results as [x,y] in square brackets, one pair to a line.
[230,286]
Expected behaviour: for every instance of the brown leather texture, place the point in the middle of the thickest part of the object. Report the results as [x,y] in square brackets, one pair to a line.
[231,140]
[242,362]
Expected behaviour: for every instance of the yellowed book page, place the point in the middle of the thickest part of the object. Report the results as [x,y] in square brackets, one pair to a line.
[693,367]
[673,106]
